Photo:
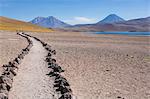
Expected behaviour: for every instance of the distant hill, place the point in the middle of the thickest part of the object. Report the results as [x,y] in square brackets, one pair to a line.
[141,24]
[49,22]
[14,25]
[112,18]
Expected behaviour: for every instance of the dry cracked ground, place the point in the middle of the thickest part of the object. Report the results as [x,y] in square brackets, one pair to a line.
[96,66]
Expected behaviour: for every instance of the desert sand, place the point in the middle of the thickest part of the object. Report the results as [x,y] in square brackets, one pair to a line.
[97,66]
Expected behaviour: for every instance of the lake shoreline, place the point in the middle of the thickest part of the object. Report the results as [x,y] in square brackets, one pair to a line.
[124,33]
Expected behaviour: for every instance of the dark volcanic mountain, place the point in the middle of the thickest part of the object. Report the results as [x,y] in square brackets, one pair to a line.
[112,18]
[49,22]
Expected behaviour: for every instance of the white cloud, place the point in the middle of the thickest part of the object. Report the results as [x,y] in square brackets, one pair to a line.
[81,20]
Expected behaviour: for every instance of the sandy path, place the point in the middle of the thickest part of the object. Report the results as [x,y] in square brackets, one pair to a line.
[31,81]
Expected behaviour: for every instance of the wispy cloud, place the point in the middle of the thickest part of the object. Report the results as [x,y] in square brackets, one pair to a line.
[80,20]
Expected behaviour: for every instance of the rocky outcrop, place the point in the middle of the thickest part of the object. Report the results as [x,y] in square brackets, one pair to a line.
[10,70]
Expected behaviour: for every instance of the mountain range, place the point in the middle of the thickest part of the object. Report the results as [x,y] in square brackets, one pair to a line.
[141,24]
[111,23]
[52,22]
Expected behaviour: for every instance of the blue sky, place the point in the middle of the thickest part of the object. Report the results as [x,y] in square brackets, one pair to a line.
[74,11]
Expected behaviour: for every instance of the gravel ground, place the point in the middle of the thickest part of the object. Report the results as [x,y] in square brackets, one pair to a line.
[31,81]
[103,66]
[10,46]
[98,66]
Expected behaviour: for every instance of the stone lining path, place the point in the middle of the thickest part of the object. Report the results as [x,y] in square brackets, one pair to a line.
[31,81]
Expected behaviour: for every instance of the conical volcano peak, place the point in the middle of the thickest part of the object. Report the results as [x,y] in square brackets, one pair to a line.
[112,18]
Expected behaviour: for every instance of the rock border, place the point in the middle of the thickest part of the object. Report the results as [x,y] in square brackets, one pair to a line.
[10,70]
[61,85]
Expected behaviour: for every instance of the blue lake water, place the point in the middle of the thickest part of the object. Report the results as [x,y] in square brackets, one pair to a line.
[126,33]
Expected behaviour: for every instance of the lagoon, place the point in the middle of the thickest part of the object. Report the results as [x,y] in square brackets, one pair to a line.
[126,33]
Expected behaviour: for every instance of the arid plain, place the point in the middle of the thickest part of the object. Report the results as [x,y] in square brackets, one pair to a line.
[96,66]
